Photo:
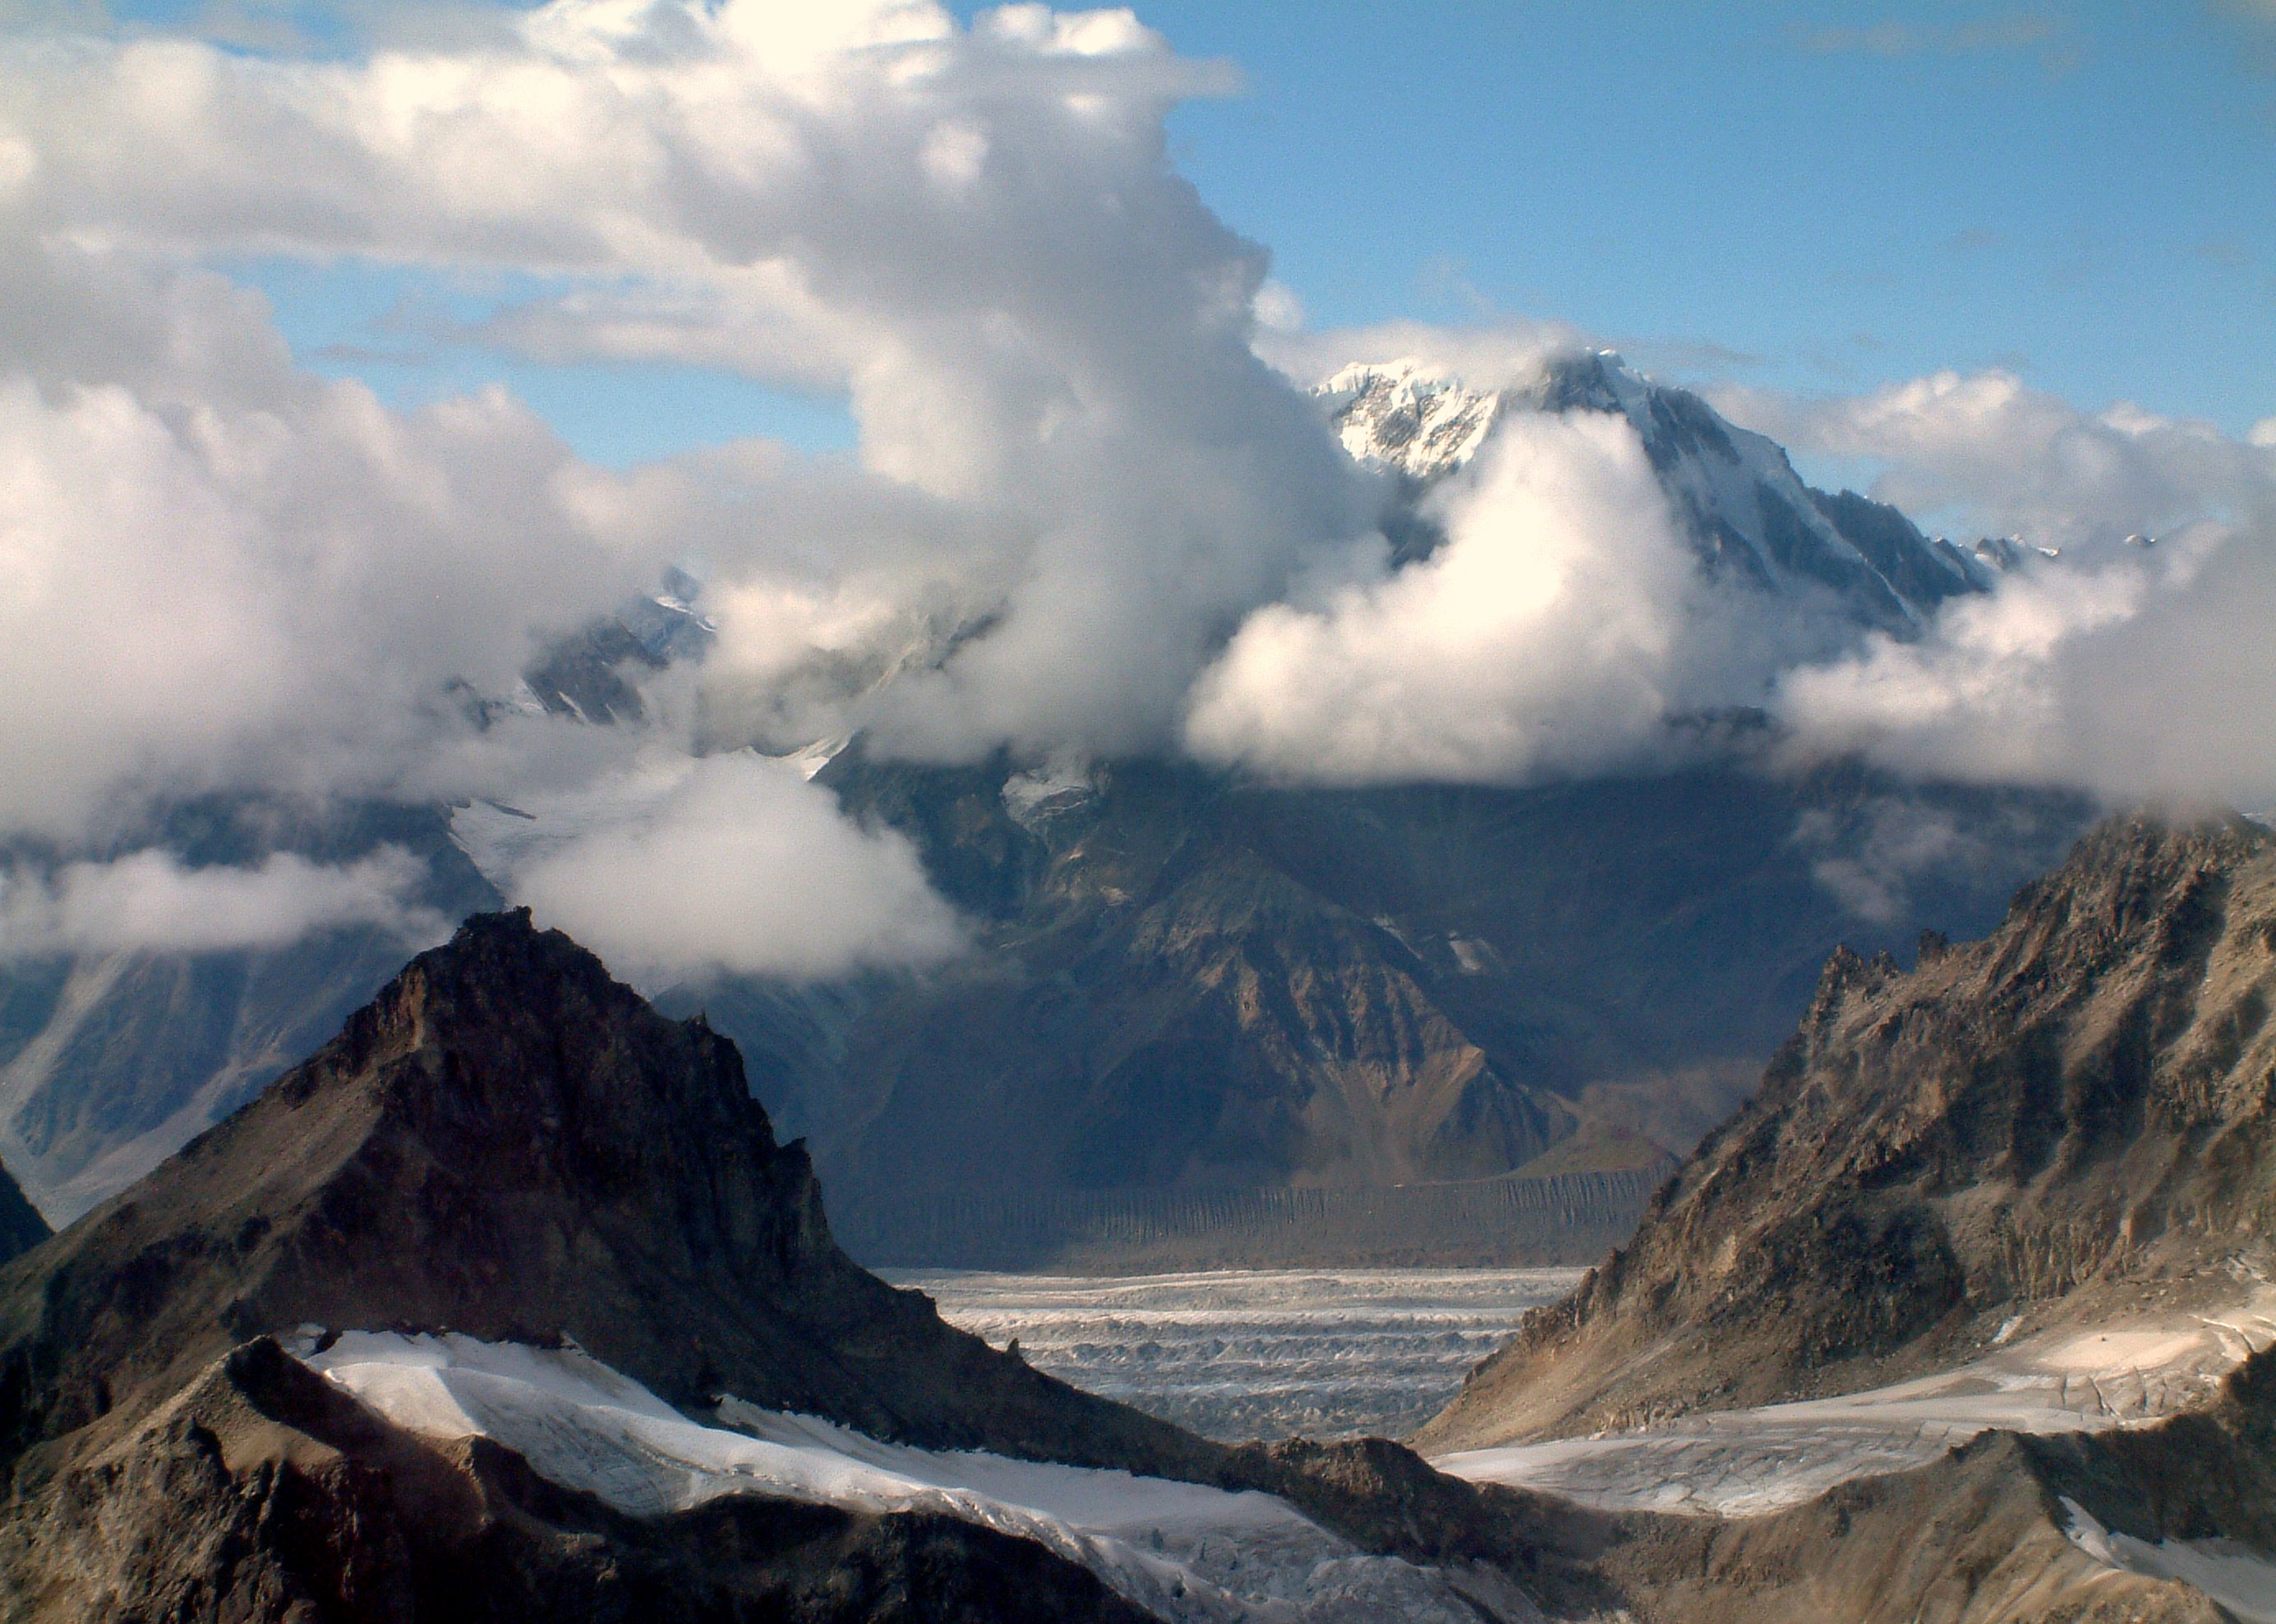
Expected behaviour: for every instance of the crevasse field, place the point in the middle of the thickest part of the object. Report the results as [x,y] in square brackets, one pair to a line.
[1266,1353]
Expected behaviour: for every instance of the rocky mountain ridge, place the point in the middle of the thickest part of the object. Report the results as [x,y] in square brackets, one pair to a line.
[2077,1111]
[509,1143]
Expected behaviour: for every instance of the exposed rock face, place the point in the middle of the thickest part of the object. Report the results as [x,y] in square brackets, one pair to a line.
[2035,1123]
[510,1144]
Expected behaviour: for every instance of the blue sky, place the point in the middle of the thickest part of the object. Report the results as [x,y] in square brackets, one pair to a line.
[1818,197]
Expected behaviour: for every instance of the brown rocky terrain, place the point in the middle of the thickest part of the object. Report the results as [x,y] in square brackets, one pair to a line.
[2071,1115]
[261,1492]
[509,1143]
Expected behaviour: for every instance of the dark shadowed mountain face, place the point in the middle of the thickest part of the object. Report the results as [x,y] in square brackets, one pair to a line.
[2081,1104]
[1185,982]
[21,1227]
[508,1143]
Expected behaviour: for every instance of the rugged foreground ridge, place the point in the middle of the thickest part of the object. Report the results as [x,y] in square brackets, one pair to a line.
[1988,1535]
[509,1143]
[2073,1115]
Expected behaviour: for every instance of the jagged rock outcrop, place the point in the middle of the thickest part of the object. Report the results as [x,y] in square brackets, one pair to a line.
[2080,1107]
[509,1143]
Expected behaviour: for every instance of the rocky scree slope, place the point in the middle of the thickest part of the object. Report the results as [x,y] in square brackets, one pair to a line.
[2076,1110]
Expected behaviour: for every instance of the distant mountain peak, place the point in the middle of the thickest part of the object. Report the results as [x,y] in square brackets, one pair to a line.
[1745,510]
[1400,415]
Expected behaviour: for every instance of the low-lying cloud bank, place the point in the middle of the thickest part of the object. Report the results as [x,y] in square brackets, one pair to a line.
[737,865]
[1085,516]
[149,902]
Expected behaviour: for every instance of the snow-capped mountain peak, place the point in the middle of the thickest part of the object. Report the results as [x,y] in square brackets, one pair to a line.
[1748,512]
[1402,417]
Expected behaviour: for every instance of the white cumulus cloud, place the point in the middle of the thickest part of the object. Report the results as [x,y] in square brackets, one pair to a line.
[736,864]
[149,902]
[1557,630]
[2134,671]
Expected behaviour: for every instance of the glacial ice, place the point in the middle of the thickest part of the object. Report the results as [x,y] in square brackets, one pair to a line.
[1180,1551]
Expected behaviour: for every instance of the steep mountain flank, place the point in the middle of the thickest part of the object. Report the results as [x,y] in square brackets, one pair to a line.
[1187,984]
[508,1143]
[2072,1117]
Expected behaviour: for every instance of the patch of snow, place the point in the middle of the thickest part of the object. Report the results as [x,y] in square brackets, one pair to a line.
[1741,1462]
[1036,796]
[1400,415]
[1472,956]
[812,758]
[1180,1551]
[2238,1577]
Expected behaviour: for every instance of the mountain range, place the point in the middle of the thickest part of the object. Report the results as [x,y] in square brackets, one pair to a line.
[508,1305]
[1191,990]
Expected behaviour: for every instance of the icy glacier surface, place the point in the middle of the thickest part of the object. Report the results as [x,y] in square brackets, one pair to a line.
[1180,1551]
[1255,1353]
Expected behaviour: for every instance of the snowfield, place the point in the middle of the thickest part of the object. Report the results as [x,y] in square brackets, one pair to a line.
[1180,1551]
[1740,1462]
